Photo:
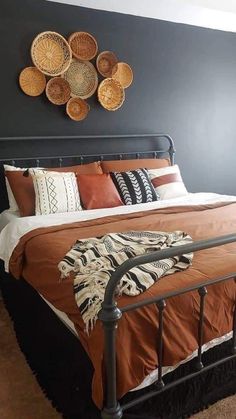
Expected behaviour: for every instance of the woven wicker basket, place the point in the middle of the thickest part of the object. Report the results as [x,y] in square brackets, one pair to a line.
[58,91]
[111,94]
[82,78]
[105,62]
[84,46]
[51,53]
[123,73]
[77,109]
[32,81]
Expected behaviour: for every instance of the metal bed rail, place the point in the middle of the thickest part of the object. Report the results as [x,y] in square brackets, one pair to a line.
[110,315]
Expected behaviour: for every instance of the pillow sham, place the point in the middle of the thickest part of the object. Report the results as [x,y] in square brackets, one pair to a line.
[134,186]
[168,182]
[126,165]
[55,192]
[23,190]
[98,191]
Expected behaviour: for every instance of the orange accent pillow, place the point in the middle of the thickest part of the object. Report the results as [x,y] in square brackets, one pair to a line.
[125,165]
[98,191]
[23,188]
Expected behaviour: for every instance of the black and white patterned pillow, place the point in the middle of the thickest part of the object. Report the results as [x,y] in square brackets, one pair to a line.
[134,186]
[55,192]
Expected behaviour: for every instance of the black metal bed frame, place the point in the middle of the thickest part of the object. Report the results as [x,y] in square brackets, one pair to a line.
[110,314]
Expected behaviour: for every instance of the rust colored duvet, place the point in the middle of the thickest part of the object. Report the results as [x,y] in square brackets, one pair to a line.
[37,255]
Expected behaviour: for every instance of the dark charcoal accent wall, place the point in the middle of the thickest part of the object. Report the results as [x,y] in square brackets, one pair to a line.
[184,84]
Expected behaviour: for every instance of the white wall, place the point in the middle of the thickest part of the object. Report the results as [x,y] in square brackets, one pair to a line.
[215,14]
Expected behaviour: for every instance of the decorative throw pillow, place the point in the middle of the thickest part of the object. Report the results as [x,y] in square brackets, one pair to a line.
[55,192]
[125,165]
[168,182]
[98,191]
[134,186]
[22,188]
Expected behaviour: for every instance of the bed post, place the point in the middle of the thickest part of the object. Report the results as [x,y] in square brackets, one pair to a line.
[109,315]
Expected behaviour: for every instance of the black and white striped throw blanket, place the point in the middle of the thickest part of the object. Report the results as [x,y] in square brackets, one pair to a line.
[93,260]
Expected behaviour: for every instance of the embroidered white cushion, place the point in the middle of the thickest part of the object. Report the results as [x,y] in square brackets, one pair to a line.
[55,192]
[168,182]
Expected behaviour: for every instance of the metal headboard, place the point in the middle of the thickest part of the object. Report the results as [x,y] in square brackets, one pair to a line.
[81,157]
[70,160]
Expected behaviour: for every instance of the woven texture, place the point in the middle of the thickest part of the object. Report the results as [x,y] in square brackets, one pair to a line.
[51,53]
[123,73]
[82,78]
[58,91]
[32,81]
[77,109]
[105,62]
[84,46]
[111,94]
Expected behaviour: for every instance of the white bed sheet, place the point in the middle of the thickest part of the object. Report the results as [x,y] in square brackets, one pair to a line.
[6,217]
[14,228]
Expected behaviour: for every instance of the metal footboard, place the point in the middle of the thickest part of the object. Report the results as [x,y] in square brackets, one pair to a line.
[110,315]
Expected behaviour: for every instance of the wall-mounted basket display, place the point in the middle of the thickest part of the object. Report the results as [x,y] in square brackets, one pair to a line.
[111,94]
[123,73]
[105,62]
[51,53]
[77,109]
[32,81]
[58,91]
[82,78]
[84,46]
[73,77]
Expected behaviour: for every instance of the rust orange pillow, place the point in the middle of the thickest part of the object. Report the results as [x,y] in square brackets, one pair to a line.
[23,189]
[126,165]
[98,191]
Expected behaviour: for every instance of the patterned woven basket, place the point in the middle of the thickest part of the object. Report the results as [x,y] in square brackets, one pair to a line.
[77,109]
[82,78]
[51,53]
[84,46]
[111,94]
[58,91]
[123,73]
[105,62]
[32,81]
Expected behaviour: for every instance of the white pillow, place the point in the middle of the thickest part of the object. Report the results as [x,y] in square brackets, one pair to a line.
[168,182]
[55,192]
[12,202]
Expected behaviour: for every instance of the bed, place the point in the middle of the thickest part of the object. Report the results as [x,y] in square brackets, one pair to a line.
[173,324]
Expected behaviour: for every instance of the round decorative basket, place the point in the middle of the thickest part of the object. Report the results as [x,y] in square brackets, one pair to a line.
[123,73]
[51,53]
[58,91]
[82,78]
[111,94]
[77,109]
[84,46]
[105,62]
[32,81]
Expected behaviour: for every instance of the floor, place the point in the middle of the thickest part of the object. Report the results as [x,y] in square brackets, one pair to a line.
[22,398]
